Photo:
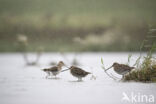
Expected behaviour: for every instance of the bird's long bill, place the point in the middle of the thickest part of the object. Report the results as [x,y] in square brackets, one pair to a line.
[65,70]
[108,68]
[42,69]
[66,66]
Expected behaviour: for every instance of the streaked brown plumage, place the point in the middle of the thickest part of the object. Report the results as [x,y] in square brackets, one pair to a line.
[78,72]
[121,69]
[54,70]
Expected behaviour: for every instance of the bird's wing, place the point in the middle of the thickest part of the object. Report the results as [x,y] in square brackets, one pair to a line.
[55,68]
[78,71]
[125,67]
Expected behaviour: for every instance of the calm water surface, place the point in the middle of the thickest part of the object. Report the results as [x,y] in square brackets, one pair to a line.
[21,84]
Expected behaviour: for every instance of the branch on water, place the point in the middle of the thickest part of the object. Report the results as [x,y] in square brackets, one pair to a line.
[110,76]
[105,70]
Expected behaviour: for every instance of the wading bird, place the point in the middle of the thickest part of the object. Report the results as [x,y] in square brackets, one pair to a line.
[78,72]
[55,70]
[121,69]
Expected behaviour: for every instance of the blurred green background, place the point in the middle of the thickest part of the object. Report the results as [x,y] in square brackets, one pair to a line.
[76,25]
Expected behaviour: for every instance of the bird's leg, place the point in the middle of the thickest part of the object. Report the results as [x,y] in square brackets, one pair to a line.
[123,76]
[48,74]
[79,79]
[51,74]
[55,77]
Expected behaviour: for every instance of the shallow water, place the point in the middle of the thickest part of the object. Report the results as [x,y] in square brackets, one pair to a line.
[20,84]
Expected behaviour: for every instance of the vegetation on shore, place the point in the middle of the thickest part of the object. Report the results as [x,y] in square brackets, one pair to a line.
[145,65]
[144,71]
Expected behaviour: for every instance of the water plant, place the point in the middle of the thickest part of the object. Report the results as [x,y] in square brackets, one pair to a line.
[145,66]
[145,71]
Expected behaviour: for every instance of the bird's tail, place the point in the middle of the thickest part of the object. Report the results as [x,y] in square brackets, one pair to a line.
[89,73]
[45,69]
[42,69]
[132,67]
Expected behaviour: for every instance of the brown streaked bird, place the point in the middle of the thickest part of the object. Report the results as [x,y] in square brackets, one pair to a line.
[55,70]
[121,69]
[78,72]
